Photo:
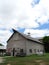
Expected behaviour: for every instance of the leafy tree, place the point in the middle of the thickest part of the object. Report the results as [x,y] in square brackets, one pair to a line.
[1,44]
[46,43]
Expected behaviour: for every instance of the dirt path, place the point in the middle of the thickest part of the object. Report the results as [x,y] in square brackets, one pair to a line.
[1,59]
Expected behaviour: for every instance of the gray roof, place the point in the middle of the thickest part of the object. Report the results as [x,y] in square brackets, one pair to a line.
[26,36]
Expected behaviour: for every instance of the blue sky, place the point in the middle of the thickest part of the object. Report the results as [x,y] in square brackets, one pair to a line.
[25,16]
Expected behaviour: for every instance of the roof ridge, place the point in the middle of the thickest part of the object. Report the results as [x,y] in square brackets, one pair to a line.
[26,36]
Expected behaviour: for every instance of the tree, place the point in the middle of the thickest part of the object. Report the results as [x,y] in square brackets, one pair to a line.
[46,43]
[1,44]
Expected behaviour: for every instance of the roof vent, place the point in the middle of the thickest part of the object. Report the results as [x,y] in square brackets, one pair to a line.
[28,34]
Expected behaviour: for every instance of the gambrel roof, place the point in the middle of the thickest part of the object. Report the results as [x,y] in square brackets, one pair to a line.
[25,36]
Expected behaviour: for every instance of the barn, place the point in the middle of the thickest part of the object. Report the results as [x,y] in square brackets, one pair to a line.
[21,44]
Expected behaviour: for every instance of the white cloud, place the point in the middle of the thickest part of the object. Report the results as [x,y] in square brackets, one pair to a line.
[4,35]
[37,32]
[44,17]
[17,11]
[20,14]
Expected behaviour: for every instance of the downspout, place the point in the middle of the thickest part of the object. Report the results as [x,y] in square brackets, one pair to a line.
[25,47]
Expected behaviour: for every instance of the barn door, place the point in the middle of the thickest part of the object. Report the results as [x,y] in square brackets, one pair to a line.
[21,50]
[13,51]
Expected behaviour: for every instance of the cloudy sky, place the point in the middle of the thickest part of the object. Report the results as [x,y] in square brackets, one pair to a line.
[25,16]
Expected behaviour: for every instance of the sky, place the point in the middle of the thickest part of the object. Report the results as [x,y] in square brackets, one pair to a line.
[25,16]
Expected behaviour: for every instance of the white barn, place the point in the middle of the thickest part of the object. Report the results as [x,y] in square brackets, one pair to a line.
[19,44]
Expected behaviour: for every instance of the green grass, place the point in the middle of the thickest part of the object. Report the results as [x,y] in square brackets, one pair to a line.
[28,60]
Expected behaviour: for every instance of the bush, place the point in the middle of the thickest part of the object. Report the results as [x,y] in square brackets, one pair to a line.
[8,54]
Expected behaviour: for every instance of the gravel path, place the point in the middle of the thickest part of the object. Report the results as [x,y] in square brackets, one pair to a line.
[1,59]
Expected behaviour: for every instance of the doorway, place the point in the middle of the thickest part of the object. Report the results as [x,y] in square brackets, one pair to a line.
[13,51]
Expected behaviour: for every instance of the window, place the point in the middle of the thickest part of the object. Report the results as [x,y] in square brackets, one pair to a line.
[30,50]
[21,50]
[38,50]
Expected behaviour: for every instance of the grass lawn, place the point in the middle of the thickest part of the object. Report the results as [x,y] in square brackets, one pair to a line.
[28,60]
